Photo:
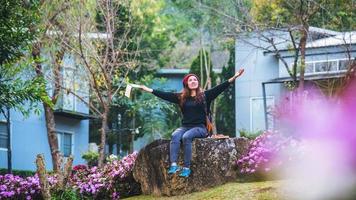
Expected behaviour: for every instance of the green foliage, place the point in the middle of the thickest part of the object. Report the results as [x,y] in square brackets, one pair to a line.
[91,157]
[154,117]
[152,114]
[225,117]
[153,26]
[249,134]
[335,14]
[290,85]
[152,29]
[16,91]
[68,194]
[209,16]
[17,86]
[195,68]
[173,120]
[16,18]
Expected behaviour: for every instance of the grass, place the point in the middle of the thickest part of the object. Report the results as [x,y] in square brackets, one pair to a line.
[264,190]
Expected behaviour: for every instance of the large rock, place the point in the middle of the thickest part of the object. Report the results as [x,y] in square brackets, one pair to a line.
[213,163]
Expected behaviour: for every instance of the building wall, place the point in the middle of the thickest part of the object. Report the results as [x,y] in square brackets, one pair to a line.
[258,68]
[173,81]
[75,80]
[29,138]
[261,67]
[29,135]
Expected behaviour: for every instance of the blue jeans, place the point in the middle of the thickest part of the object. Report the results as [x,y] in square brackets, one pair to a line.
[185,134]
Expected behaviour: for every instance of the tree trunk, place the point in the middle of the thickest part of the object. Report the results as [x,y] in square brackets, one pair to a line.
[52,137]
[42,176]
[104,122]
[67,171]
[302,44]
[49,115]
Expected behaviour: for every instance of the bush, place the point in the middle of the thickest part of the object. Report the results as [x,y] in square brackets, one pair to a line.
[264,153]
[91,158]
[21,173]
[15,187]
[114,179]
[249,135]
[68,194]
[108,182]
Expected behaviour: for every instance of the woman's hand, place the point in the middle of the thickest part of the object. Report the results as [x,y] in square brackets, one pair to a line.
[237,74]
[146,89]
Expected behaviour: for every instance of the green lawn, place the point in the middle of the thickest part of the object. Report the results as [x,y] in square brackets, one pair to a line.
[265,190]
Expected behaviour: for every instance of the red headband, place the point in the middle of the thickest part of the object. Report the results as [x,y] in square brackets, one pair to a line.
[186,77]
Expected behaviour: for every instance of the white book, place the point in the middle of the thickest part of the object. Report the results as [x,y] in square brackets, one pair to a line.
[129,87]
[134,85]
[128,90]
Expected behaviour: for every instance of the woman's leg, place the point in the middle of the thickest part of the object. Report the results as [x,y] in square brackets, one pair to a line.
[188,136]
[175,143]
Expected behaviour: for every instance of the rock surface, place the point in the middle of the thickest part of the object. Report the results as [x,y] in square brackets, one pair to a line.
[213,163]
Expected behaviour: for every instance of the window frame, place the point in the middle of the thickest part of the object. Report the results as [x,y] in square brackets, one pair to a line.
[8,134]
[328,61]
[251,113]
[61,132]
[72,82]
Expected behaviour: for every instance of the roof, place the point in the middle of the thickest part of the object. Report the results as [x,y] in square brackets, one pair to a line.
[73,114]
[323,31]
[311,77]
[319,37]
[339,39]
[173,71]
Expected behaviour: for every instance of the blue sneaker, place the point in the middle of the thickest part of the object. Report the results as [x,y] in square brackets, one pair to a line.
[185,173]
[173,169]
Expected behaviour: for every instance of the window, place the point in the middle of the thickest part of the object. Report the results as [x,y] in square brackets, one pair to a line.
[344,64]
[75,80]
[65,143]
[69,98]
[326,66]
[257,118]
[3,135]
[309,68]
[312,67]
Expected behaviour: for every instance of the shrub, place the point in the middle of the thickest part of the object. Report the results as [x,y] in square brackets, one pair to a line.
[21,173]
[105,183]
[91,158]
[85,183]
[15,187]
[68,194]
[265,153]
[249,135]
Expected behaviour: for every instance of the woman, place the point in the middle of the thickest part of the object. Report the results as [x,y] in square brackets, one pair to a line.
[193,102]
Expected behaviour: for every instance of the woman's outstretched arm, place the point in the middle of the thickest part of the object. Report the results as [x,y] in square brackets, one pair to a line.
[237,74]
[215,91]
[169,96]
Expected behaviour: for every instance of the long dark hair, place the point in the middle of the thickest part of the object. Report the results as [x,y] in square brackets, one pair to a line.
[186,92]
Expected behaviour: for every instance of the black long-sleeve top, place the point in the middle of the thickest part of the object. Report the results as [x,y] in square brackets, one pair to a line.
[193,113]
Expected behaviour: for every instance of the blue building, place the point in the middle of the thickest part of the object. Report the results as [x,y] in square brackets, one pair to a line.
[29,135]
[327,56]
